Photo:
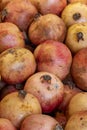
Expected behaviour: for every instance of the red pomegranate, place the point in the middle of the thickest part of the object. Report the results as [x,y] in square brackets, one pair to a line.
[19,12]
[53,56]
[10,36]
[49,6]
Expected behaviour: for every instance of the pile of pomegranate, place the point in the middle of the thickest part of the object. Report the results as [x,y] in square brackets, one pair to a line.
[43,64]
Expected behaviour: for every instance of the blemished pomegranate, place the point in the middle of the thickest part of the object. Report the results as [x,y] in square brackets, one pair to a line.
[40,122]
[46,27]
[49,6]
[19,12]
[47,88]
[16,65]
[73,13]
[77,121]
[76,37]
[10,36]
[53,56]
[18,105]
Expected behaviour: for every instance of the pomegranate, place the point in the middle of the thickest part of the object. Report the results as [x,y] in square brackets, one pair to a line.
[47,88]
[10,36]
[18,105]
[79,69]
[77,103]
[77,121]
[74,13]
[46,27]
[50,6]
[19,12]
[76,37]
[16,65]
[40,122]
[6,124]
[53,56]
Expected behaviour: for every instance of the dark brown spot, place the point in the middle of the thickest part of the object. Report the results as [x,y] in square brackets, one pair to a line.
[46,78]
[76,16]
[80,36]
[81,118]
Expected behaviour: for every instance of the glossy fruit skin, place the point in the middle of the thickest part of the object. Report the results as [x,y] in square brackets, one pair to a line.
[16,65]
[17,105]
[19,12]
[40,121]
[47,88]
[46,27]
[53,56]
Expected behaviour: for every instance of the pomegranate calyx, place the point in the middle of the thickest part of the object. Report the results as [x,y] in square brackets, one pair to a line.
[22,94]
[37,16]
[80,36]
[3,15]
[76,16]
[45,78]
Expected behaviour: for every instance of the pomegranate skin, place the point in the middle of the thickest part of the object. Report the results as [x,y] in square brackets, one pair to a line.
[40,122]
[19,12]
[47,27]
[49,6]
[10,36]
[79,69]
[54,57]
[47,88]
[16,65]
[6,124]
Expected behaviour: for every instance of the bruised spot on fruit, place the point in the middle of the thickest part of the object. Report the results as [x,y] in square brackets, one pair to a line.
[46,78]
[58,127]
[3,14]
[76,16]
[81,118]
[12,51]
[37,16]
[22,94]
[80,36]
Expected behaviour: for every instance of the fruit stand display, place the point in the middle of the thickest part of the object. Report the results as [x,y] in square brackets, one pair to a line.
[43,64]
